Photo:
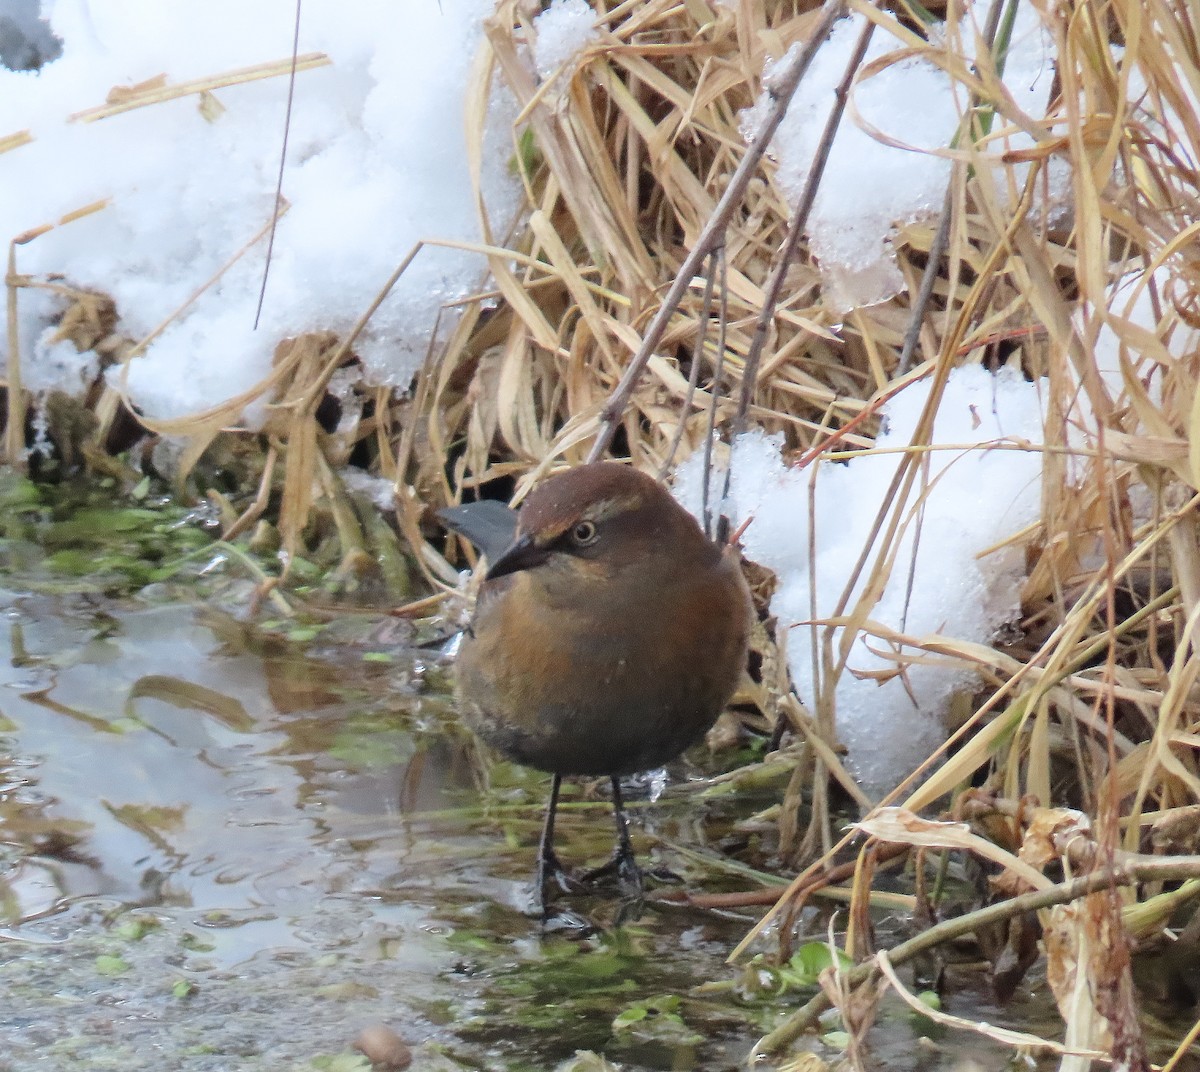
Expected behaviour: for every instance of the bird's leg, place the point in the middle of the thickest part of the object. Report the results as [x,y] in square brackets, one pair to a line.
[629,875]
[549,865]
[623,863]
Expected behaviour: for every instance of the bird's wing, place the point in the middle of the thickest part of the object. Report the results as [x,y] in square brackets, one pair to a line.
[489,525]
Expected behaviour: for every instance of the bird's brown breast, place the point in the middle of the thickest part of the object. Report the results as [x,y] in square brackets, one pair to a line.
[621,678]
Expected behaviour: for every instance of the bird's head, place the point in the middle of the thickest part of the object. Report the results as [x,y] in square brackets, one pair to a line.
[595,521]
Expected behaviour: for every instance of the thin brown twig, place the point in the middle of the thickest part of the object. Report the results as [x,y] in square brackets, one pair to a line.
[710,434]
[941,237]
[933,268]
[287,126]
[799,221]
[685,407]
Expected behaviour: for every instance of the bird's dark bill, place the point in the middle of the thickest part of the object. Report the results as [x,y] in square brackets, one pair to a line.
[521,555]
[489,525]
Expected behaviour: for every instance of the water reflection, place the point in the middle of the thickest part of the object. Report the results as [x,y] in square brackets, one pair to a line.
[156,760]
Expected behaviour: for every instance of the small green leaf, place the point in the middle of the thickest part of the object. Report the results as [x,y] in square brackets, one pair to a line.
[528,156]
[808,962]
[135,928]
[197,943]
[110,965]
[630,1016]
[836,1040]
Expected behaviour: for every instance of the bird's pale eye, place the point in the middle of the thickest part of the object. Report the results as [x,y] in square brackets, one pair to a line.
[584,533]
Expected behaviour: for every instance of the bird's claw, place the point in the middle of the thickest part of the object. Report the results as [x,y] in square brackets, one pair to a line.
[556,920]
[550,868]
[567,923]
[664,876]
[630,879]
[624,868]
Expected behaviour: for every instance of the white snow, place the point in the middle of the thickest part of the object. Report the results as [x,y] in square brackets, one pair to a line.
[869,186]
[376,162]
[973,498]
[563,30]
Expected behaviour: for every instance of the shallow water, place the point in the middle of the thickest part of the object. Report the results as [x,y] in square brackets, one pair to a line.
[223,850]
[217,846]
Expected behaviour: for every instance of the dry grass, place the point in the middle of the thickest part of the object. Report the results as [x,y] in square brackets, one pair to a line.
[630,149]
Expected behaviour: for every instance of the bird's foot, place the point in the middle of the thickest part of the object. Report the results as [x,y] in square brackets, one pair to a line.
[564,922]
[551,871]
[623,867]
[552,877]
[664,876]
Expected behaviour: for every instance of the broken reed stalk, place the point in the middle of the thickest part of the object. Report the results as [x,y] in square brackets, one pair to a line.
[158,91]
[713,233]
[1183,1049]
[14,141]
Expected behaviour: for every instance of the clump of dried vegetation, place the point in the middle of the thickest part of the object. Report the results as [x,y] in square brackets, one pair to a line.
[1075,780]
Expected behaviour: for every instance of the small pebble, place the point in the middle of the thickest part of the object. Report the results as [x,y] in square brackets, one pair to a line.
[383,1048]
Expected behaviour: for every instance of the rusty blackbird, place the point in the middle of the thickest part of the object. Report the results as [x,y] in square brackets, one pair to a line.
[608,634]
